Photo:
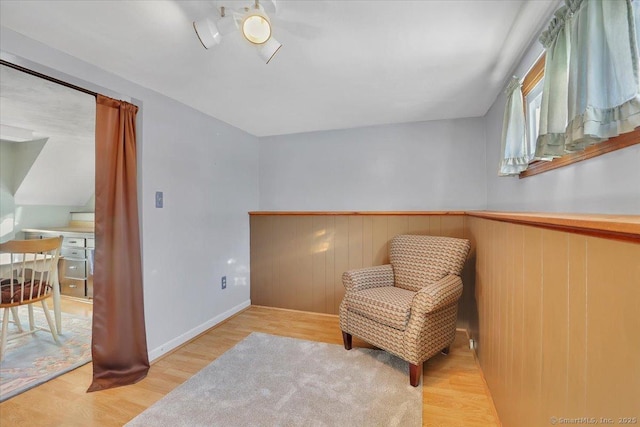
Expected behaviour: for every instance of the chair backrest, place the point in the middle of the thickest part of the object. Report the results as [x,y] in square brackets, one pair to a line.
[28,270]
[419,260]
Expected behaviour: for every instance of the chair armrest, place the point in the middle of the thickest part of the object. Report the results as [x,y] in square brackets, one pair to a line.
[366,278]
[437,295]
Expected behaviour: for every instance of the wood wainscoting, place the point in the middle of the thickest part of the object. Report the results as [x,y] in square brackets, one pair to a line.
[559,320]
[297,258]
[552,300]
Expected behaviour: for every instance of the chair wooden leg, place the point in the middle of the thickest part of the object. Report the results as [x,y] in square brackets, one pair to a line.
[415,372]
[346,338]
[3,338]
[52,325]
[32,323]
[445,350]
[16,318]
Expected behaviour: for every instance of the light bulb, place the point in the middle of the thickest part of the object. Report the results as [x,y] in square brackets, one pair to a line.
[256,27]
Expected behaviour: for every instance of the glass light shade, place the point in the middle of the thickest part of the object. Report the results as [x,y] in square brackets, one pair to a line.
[256,27]
[269,49]
[207,32]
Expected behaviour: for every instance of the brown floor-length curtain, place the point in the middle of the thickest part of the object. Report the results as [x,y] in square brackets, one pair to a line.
[119,346]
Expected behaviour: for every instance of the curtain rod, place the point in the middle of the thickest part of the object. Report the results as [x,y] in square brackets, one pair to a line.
[49,78]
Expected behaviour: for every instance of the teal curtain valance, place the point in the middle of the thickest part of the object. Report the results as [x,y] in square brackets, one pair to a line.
[592,85]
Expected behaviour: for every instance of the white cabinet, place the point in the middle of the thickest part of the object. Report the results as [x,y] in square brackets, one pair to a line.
[75,269]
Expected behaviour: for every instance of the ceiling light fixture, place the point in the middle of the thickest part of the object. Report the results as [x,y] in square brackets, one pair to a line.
[254,25]
[207,32]
[210,30]
[268,49]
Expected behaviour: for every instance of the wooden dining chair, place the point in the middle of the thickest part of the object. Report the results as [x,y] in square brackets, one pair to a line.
[28,271]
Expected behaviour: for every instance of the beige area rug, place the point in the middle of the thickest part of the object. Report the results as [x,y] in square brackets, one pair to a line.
[266,380]
[33,359]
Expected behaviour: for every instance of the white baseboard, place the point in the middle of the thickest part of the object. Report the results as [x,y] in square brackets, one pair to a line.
[179,340]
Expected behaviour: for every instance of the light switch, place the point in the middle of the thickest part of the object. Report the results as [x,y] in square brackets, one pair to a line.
[159,199]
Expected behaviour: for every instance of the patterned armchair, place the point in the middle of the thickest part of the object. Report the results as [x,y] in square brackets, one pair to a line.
[408,307]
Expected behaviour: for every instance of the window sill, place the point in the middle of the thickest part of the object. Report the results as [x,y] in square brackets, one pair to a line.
[621,141]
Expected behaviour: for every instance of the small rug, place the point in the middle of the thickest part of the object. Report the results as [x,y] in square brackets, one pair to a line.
[36,358]
[267,380]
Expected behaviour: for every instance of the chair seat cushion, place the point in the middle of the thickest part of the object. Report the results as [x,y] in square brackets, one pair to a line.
[388,305]
[9,297]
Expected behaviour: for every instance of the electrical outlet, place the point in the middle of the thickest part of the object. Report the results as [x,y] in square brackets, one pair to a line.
[159,199]
[224,282]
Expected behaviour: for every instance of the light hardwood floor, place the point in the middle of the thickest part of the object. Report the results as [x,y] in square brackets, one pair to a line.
[454,392]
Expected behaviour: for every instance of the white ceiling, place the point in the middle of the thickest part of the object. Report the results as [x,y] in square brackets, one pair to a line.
[63,171]
[343,63]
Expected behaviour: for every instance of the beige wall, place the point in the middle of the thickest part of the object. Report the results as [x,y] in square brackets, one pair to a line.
[559,316]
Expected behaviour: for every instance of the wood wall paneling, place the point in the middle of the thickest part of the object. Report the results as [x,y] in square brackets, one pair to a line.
[554,313]
[555,320]
[379,234]
[319,264]
[612,324]
[532,320]
[297,261]
[286,261]
[577,328]
[341,259]
[305,262]
[258,234]
[328,246]
[367,241]
[518,332]
[467,304]
[356,242]
[452,226]
[558,322]
[419,225]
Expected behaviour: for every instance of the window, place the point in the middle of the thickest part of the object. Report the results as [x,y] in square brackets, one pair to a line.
[532,92]
[590,103]
[533,101]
